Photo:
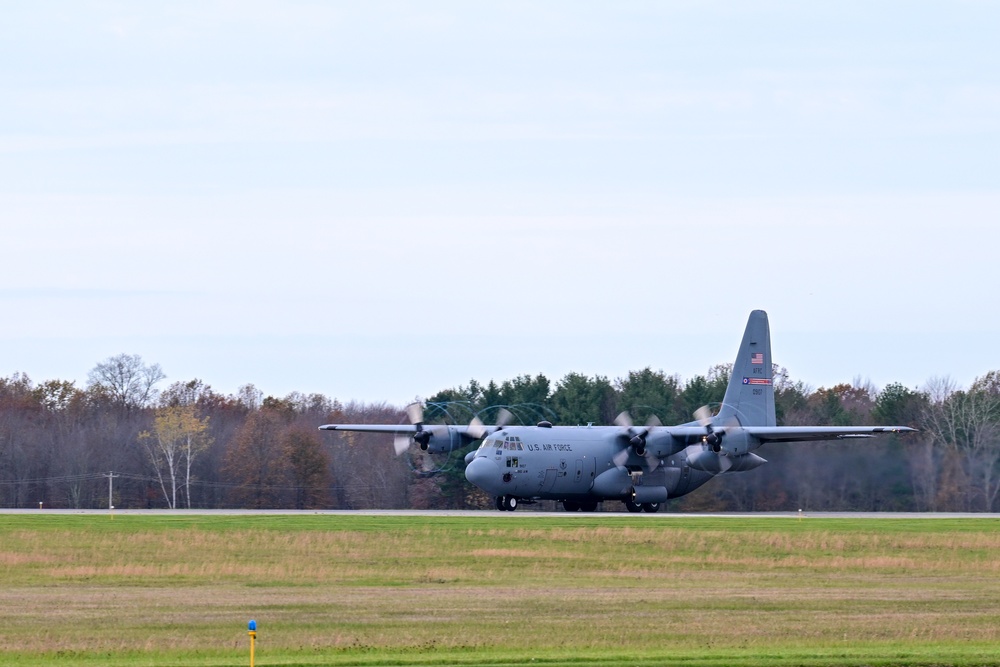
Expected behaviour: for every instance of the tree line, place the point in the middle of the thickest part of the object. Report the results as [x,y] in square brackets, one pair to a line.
[187,446]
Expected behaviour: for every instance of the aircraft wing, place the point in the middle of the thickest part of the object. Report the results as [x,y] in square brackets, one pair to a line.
[810,433]
[435,437]
[371,428]
[468,430]
[683,433]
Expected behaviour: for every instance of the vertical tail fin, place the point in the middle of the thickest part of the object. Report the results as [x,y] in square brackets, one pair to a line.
[750,394]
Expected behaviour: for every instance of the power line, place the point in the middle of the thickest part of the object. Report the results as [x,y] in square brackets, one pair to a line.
[204,484]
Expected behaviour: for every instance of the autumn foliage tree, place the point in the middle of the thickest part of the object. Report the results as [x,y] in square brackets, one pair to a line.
[255,461]
[308,468]
[177,437]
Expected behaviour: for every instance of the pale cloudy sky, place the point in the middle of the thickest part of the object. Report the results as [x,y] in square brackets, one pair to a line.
[381,200]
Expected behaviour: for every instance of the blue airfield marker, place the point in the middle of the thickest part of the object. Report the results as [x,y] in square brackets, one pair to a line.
[252,627]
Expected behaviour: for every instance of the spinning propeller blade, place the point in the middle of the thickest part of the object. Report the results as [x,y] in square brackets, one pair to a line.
[415,411]
[401,443]
[620,458]
[504,417]
[703,415]
[637,439]
[477,429]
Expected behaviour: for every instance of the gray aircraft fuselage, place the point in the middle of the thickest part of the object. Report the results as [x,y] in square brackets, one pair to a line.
[580,464]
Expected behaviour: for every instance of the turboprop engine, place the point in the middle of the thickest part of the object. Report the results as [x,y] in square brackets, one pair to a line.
[440,438]
[701,457]
[725,447]
[435,438]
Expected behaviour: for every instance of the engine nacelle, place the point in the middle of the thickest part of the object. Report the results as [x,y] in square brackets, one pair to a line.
[706,460]
[439,438]
[746,462]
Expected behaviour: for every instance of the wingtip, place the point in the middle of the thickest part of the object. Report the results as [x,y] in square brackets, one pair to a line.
[896,429]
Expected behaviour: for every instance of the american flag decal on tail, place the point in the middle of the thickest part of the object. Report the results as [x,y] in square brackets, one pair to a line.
[757,358]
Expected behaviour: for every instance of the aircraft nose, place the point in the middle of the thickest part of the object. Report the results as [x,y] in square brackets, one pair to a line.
[483,473]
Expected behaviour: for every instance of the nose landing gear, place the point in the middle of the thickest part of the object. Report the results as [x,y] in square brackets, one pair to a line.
[506,503]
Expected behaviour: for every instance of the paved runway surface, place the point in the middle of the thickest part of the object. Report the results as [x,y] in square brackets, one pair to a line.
[507,515]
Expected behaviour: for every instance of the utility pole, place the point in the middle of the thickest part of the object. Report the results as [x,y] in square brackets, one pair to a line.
[111,477]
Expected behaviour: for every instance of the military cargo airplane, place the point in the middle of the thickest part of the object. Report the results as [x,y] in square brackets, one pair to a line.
[641,466]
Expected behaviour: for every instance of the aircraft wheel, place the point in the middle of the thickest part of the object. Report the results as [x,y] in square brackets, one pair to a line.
[509,503]
[571,506]
[498,503]
[588,506]
[652,508]
[633,506]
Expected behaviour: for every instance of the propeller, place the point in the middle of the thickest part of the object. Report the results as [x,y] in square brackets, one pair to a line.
[477,429]
[401,442]
[712,438]
[422,436]
[637,439]
[415,411]
[709,454]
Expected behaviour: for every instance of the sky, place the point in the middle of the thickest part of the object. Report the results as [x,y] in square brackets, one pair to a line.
[377,201]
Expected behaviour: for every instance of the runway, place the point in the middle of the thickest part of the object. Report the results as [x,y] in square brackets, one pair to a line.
[581,516]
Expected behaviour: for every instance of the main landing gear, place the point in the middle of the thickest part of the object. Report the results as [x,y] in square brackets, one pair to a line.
[582,506]
[509,503]
[633,506]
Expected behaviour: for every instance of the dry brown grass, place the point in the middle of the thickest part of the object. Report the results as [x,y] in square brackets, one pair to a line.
[487,584]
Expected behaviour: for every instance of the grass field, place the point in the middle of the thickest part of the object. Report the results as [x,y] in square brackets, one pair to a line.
[498,590]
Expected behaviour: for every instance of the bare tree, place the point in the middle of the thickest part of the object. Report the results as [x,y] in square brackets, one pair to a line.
[969,423]
[250,397]
[126,381]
